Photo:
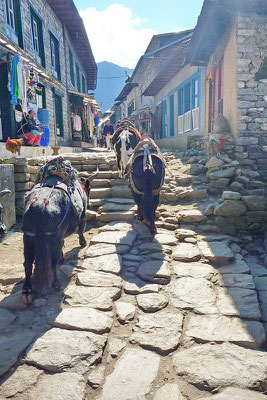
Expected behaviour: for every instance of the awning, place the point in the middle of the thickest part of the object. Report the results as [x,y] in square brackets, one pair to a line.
[86,97]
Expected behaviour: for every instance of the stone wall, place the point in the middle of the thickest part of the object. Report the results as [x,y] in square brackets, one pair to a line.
[251,144]
[8,202]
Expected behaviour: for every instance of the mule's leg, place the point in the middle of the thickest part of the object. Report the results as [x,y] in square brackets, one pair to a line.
[55,259]
[140,214]
[155,202]
[29,248]
[81,228]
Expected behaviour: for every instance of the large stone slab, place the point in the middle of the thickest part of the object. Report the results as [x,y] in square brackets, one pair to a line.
[186,252]
[115,237]
[6,319]
[221,366]
[11,273]
[170,391]
[108,263]
[230,208]
[132,377]
[85,319]
[116,216]
[98,250]
[217,252]
[214,328]
[98,279]
[244,281]
[23,378]
[191,216]
[155,271]
[11,346]
[100,298]
[233,393]
[237,267]
[137,286]
[60,350]
[107,207]
[151,302]
[160,332]
[192,293]
[193,270]
[67,386]
[260,282]
[223,173]
[13,302]
[238,302]
[124,311]
[166,239]
[116,226]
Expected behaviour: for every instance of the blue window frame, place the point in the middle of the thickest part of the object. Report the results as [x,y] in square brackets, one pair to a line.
[37,37]
[13,22]
[54,54]
[188,95]
[78,80]
[172,114]
[83,84]
[164,129]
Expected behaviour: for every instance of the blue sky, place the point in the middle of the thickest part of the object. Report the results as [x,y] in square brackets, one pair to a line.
[119,31]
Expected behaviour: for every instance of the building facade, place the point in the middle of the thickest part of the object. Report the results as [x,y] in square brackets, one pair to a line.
[234,57]
[50,40]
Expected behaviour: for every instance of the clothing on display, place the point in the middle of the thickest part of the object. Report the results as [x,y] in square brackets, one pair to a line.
[77,123]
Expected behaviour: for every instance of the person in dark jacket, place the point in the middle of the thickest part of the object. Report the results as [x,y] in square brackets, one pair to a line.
[29,130]
[107,133]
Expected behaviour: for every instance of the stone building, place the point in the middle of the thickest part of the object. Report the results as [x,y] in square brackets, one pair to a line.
[50,39]
[133,100]
[230,42]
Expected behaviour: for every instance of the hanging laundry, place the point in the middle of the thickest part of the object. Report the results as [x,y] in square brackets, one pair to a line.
[14,87]
[77,123]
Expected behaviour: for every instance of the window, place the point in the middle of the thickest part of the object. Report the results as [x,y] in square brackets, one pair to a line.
[37,38]
[13,26]
[172,115]
[71,68]
[189,104]
[58,115]
[54,51]
[78,81]
[130,107]
[10,13]
[83,84]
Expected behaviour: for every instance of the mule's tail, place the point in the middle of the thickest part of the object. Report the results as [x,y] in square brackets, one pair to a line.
[148,195]
[43,270]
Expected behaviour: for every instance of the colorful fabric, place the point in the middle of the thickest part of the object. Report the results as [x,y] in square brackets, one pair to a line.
[31,139]
[58,167]
[14,86]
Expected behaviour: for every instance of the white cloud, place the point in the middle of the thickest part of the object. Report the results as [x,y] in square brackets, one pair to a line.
[116,35]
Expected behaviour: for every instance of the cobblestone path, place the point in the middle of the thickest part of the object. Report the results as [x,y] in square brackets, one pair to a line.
[181,316]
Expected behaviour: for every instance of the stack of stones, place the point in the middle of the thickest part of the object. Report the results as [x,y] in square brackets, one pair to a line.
[221,173]
[243,214]
[24,177]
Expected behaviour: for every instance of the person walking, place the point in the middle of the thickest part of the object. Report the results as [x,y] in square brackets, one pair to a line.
[107,132]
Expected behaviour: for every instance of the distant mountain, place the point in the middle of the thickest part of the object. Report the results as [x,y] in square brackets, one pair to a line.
[110,81]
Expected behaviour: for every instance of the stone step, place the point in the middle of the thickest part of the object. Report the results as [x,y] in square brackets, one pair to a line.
[116,216]
[114,207]
[115,191]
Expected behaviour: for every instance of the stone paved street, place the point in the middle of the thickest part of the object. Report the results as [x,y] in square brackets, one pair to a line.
[181,316]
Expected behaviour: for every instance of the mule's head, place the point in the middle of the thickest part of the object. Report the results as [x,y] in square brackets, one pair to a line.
[86,180]
[2,225]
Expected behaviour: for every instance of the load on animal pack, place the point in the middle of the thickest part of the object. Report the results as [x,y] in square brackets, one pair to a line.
[146,173]
[124,140]
[54,209]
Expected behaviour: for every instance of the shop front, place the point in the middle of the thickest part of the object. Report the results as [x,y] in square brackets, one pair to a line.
[84,113]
